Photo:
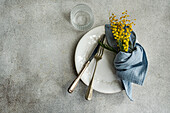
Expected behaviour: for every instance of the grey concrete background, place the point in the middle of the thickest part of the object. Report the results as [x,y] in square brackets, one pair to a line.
[37,45]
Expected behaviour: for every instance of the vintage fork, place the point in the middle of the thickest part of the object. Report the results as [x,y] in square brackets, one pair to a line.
[98,57]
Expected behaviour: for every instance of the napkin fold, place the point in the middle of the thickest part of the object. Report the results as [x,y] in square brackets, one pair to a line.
[131,67]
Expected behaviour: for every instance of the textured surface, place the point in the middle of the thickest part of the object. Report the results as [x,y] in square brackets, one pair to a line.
[37,44]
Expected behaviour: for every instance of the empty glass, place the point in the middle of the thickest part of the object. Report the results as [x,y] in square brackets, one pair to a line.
[82,17]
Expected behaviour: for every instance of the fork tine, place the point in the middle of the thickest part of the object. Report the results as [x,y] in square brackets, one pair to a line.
[101,52]
[98,53]
[102,49]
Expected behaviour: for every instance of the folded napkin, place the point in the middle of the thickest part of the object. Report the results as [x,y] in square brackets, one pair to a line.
[130,67]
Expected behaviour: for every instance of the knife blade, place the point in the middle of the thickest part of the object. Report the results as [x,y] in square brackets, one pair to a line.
[75,82]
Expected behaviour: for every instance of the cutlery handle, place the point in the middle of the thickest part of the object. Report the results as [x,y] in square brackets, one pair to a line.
[75,82]
[89,93]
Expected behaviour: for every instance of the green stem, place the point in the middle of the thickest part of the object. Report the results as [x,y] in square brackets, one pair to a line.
[107,47]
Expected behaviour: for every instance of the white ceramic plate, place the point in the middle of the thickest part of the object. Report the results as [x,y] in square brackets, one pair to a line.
[105,80]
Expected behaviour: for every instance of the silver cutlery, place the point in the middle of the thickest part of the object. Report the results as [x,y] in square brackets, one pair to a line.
[98,57]
[75,82]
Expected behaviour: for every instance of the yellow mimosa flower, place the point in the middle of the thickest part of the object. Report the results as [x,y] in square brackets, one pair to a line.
[114,34]
[119,32]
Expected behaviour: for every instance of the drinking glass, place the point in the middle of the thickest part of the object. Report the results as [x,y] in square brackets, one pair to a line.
[82,17]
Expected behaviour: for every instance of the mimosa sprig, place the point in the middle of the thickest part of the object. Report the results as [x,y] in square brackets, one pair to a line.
[121,30]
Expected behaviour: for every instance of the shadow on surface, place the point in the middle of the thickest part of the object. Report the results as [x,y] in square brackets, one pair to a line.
[66,15]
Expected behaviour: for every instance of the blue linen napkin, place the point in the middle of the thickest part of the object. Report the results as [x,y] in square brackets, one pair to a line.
[130,67]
